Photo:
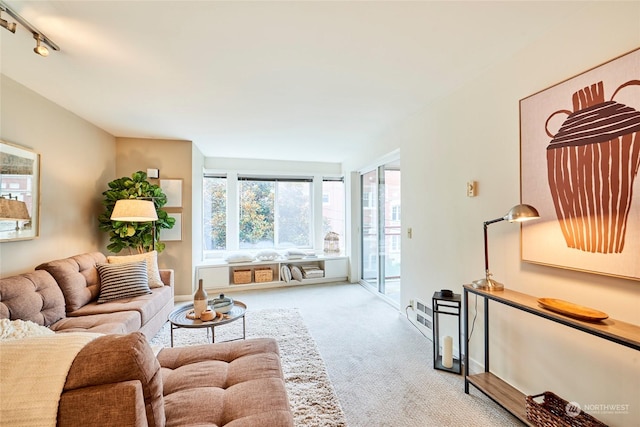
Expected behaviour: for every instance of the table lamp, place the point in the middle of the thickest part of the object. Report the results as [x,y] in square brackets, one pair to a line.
[12,209]
[518,213]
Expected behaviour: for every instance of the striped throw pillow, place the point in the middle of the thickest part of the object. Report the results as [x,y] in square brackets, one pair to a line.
[125,280]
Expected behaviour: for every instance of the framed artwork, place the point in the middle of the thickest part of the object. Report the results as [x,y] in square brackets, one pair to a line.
[19,193]
[172,188]
[175,233]
[580,153]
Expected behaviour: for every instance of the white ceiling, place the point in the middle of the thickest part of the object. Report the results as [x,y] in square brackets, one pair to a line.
[294,80]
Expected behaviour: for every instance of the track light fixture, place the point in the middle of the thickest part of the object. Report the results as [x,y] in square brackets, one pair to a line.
[10,26]
[41,39]
[40,49]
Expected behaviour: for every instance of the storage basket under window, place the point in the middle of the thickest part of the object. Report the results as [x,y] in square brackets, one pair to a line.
[241,277]
[263,275]
[552,412]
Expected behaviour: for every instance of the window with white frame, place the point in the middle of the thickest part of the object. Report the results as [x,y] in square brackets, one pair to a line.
[251,212]
[333,208]
[275,213]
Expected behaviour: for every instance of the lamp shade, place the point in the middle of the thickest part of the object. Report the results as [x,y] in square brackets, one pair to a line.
[520,213]
[134,210]
[13,210]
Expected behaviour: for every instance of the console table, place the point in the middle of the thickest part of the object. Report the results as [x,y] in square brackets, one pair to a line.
[500,391]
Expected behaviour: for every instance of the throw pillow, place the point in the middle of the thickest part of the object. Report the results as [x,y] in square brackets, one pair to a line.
[294,253]
[267,255]
[238,257]
[125,280]
[285,273]
[17,329]
[296,274]
[151,259]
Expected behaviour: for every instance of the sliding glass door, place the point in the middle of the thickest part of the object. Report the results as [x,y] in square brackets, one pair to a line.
[381,229]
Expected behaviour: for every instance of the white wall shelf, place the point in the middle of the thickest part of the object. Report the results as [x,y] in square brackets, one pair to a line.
[218,275]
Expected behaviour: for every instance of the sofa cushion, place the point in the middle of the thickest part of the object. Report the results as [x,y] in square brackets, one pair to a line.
[121,322]
[77,277]
[151,260]
[32,296]
[146,305]
[113,359]
[237,383]
[118,281]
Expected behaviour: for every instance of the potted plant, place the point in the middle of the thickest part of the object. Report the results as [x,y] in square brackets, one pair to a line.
[138,236]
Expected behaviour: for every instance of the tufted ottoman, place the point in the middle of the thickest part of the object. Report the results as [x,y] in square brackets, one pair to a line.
[116,380]
[235,384]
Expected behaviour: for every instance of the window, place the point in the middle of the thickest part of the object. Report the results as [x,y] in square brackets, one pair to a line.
[395,213]
[215,212]
[252,212]
[333,200]
[366,200]
[275,213]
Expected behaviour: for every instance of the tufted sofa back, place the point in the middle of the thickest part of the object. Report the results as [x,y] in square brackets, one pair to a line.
[77,277]
[32,296]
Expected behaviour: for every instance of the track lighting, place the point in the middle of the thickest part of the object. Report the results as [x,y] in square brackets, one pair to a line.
[40,49]
[41,39]
[11,26]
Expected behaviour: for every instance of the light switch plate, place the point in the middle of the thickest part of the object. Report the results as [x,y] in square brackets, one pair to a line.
[472,189]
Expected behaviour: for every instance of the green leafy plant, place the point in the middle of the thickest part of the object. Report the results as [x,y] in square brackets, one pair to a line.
[136,236]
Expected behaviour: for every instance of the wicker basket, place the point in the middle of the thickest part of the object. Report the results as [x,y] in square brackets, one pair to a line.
[552,412]
[263,275]
[241,276]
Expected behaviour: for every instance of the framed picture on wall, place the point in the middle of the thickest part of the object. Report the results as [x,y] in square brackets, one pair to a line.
[172,188]
[580,153]
[19,193]
[175,233]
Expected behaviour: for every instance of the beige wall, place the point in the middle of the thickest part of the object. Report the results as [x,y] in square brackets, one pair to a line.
[77,162]
[473,134]
[174,159]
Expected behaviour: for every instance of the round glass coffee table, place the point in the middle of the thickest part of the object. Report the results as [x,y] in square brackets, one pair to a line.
[178,319]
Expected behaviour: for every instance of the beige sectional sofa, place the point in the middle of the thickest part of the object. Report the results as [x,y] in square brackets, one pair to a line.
[116,380]
[62,295]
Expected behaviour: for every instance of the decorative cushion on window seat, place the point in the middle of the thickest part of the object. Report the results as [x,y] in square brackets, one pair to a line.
[238,257]
[267,255]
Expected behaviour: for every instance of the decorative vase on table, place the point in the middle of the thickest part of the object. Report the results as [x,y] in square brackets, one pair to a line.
[199,300]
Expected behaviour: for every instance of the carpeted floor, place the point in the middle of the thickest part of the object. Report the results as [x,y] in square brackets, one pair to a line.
[380,365]
[311,394]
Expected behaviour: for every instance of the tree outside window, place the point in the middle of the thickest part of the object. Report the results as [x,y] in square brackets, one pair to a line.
[215,213]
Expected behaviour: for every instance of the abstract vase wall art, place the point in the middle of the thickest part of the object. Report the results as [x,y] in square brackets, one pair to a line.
[580,155]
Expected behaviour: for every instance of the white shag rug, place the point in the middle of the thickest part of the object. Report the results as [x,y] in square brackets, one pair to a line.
[311,394]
